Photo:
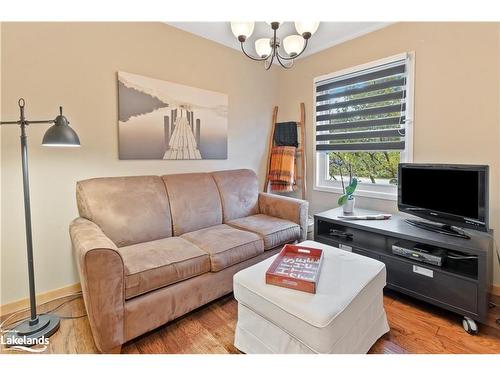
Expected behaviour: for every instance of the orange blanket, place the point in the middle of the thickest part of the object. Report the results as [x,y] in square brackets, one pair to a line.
[281,172]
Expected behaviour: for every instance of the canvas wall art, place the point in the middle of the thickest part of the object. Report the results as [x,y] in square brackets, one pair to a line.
[164,120]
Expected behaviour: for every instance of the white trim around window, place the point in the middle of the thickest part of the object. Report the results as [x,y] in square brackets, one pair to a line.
[379,191]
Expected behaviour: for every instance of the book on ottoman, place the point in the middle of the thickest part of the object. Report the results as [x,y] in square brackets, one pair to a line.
[296,267]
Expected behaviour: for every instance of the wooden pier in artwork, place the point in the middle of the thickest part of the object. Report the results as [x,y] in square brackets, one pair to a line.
[182,135]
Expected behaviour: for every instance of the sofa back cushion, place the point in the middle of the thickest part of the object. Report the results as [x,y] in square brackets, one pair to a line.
[129,210]
[194,201]
[239,193]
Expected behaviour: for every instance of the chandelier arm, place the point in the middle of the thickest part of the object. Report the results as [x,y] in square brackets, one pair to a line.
[275,50]
[297,55]
[251,57]
[282,60]
[269,63]
[282,64]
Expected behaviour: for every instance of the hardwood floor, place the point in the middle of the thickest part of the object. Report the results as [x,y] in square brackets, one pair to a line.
[416,327]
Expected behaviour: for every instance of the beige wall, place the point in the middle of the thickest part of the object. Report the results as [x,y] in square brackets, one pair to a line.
[457,75]
[75,65]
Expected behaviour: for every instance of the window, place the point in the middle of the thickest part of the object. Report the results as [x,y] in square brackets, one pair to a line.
[363,120]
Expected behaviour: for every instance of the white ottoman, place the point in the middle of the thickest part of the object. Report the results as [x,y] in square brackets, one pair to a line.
[346,315]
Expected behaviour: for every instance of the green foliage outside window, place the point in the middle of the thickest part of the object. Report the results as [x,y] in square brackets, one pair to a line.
[366,166]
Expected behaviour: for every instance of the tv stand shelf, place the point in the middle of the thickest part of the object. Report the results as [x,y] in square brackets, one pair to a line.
[459,285]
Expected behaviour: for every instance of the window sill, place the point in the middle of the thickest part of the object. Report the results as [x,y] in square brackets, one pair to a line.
[360,192]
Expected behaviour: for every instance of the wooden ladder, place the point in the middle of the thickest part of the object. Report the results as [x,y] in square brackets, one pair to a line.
[300,152]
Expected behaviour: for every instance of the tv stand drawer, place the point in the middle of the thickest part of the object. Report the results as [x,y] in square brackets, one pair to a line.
[432,285]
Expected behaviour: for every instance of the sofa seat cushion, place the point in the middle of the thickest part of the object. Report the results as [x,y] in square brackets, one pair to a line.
[226,245]
[273,230]
[156,264]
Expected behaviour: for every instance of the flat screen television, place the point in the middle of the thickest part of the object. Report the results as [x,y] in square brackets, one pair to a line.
[452,195]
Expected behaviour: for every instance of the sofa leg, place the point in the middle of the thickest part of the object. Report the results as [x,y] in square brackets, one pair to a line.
[115,350]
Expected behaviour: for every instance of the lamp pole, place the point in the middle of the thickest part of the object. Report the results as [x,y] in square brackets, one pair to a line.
[43,325]
[27,216]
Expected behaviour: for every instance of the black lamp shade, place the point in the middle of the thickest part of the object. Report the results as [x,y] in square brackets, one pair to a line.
[60,134]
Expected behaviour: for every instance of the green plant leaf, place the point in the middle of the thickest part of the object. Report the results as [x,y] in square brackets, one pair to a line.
[342,200]
[349,190]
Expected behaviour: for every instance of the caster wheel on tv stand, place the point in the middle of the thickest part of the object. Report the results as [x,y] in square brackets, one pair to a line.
[470,326]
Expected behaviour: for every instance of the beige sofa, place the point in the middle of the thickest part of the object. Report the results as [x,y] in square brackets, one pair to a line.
[150,249]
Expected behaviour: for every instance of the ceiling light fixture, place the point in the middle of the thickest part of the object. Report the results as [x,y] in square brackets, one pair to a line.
[267,49]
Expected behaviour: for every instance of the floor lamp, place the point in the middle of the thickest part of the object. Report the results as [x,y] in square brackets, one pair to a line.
[59,134]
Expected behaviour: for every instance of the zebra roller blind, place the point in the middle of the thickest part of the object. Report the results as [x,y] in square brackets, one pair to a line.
[364,110]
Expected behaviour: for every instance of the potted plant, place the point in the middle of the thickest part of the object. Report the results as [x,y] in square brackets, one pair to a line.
[346,200]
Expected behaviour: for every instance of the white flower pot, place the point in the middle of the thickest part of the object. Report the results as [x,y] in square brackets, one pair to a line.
[349,206]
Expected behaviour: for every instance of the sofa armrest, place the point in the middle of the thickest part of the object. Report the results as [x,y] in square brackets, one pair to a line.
[285,208]
[102,279]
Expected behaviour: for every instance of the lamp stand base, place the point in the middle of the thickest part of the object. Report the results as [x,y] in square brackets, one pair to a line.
[32,332]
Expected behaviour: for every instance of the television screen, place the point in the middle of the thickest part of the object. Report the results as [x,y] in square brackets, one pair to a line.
[453,194]
[451,191]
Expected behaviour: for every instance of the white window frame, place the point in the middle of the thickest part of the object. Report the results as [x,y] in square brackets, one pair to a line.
[379,191]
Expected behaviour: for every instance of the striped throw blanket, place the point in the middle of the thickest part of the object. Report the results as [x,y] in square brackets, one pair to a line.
[281,172]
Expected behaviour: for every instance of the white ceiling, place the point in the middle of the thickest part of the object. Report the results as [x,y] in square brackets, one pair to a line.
[328,34]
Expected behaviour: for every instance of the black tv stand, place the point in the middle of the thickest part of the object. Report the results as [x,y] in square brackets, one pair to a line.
[461,284]
[439,228]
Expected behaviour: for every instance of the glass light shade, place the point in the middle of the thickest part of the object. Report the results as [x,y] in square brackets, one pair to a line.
[263,47]
[293,44]
[306,27]
[242,28]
